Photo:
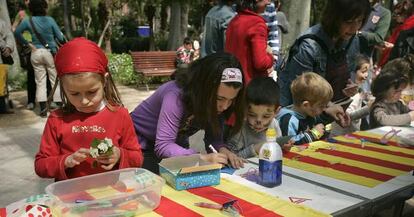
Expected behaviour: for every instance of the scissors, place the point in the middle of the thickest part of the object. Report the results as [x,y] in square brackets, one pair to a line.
[389,135]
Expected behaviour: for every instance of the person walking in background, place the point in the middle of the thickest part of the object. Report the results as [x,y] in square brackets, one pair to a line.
[25,53]
[6,49]
[270,15]
[246,38]
[44,30]
[282,24]
[215,26]
[375,29]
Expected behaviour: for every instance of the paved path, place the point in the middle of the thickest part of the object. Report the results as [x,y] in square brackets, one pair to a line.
[19,140]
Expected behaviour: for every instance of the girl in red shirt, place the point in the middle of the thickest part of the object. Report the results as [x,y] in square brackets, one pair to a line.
[91,109]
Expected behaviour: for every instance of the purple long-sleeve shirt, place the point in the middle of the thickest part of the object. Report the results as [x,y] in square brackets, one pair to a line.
[157,122]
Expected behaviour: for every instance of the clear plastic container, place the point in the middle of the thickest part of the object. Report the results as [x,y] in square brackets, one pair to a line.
[125,192]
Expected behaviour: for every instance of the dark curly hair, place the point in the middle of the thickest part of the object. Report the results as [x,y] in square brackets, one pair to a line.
[38,7]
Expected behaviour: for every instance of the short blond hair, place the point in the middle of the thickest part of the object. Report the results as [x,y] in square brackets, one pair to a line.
[311,87]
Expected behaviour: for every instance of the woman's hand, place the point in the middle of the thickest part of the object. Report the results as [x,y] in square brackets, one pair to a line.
[6,51]
[76,158]
[235,161]
[351,89]
[109,161]
[214,158]
[337,112]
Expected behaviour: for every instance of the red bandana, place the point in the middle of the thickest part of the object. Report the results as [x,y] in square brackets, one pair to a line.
[80,55]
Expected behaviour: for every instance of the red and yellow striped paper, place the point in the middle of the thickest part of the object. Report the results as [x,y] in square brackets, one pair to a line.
[251,202]
[347,159]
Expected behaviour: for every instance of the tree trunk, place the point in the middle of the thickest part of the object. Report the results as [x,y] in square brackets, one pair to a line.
[175,26]
[164,14]
[82,13]
[298,15]
[185,8]
[88,15]
[108,34]
[150,13]
[66,20]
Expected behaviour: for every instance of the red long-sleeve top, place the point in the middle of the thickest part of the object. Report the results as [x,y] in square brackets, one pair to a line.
[246,38]
[64,134]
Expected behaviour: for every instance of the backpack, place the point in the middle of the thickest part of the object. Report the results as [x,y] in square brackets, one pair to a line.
[294,49]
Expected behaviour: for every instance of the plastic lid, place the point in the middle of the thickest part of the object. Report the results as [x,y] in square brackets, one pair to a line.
[271,132]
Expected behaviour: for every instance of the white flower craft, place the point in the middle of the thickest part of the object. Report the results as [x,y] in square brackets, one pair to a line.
[100,147]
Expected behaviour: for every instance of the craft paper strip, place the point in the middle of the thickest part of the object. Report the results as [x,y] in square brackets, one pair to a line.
[375,136]
[392,150]
[279,206]
[330,172]
[368,165]
[169,207]
[248,209]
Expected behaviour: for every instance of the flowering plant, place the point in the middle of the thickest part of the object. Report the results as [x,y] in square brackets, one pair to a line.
[100,147]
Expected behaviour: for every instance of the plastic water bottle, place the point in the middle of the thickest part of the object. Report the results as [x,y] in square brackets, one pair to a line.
[270,161]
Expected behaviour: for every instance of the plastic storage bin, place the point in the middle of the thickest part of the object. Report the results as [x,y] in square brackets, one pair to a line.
[125,192]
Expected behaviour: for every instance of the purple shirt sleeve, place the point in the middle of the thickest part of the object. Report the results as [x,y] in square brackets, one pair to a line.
[169,119]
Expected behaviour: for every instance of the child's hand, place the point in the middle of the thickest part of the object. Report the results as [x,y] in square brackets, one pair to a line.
[109,161]
[289,145]
[76,158]
[320,128]
[235,161]
[215,158]
[318,131]
[371,101]
[351,89]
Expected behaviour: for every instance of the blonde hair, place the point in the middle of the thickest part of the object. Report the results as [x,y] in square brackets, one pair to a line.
[311,87]
[111,93]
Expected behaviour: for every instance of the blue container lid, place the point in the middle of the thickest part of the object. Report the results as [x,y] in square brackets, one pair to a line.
[144,31]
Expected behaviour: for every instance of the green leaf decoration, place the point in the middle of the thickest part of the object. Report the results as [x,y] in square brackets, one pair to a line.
[95,164]
[95,142]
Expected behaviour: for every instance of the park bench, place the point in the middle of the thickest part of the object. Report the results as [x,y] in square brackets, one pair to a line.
[154,63]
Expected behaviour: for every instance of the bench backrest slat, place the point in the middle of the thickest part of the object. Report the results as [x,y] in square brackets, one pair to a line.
[154,63]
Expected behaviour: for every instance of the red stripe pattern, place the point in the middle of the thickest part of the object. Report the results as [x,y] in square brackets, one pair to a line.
[366,159]
[246,208]
[376,140]
[369,148]
[340,167]
[169,208]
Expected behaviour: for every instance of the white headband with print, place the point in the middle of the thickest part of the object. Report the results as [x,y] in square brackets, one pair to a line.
[232,75]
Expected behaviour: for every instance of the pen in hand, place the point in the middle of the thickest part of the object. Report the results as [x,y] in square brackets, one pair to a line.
[212,149]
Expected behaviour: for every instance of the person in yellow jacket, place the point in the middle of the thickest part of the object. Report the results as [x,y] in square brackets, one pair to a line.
[6,49]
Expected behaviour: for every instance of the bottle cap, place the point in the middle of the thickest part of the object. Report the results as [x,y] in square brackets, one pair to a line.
[271,132]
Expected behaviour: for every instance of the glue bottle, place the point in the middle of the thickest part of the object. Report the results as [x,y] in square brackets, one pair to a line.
[270,161]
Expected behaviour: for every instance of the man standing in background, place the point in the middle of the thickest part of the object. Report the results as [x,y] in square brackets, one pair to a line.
[216,21]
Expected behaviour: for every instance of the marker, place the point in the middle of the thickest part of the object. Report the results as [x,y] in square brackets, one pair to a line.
[212,149]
